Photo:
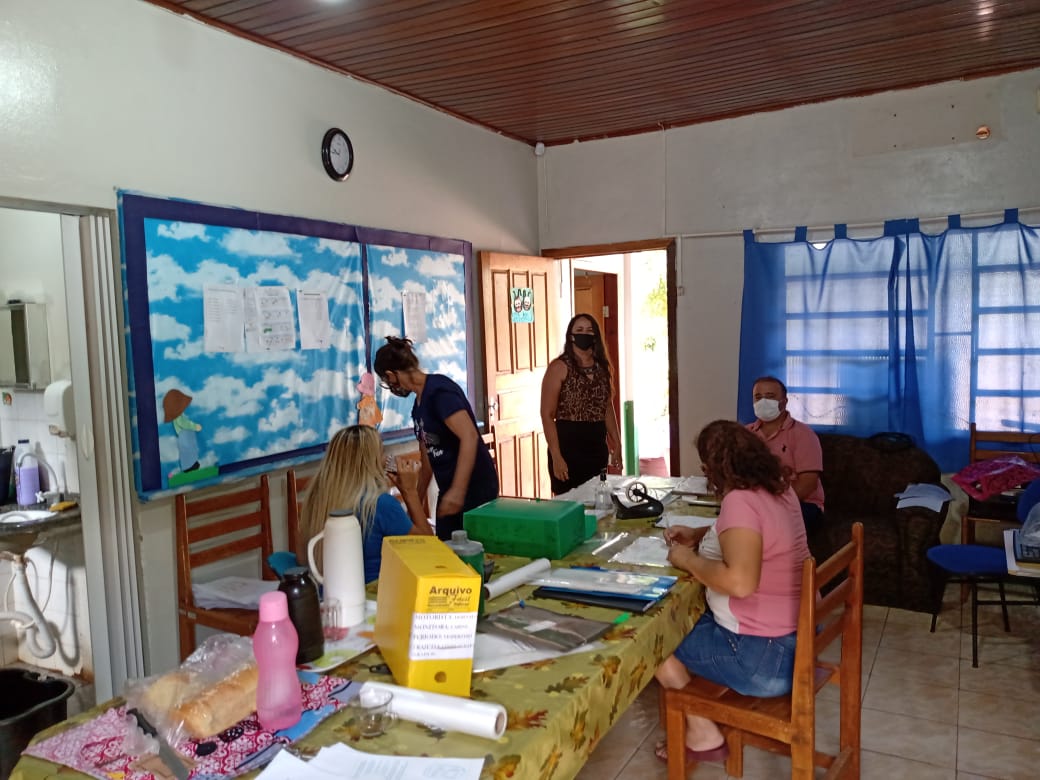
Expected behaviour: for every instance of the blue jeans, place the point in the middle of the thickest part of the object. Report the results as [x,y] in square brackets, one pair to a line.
[751,665]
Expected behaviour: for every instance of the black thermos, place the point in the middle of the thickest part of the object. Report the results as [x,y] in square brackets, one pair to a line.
[304,612]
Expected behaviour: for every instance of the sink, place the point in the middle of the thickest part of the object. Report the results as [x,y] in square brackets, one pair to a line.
[25,515]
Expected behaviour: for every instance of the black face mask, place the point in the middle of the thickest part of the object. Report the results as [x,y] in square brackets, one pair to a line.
[399,391]
[583,340]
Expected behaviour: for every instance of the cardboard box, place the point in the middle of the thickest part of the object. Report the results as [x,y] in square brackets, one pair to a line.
[529,527]
[426,614]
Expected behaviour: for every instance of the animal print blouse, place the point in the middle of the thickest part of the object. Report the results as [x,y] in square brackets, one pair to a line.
[584,394]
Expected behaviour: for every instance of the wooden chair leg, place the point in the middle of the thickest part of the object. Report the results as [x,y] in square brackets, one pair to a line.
[186,636]
[735,743]
[675,734]
[803,765]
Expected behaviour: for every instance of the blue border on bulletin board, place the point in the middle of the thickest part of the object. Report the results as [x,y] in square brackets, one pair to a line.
[203,412]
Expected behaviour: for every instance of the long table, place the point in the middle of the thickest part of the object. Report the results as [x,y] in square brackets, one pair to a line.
[558,709]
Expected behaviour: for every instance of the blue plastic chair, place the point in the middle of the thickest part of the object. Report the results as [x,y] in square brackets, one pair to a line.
[972,564]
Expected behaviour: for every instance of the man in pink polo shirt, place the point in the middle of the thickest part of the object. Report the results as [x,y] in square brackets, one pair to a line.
[794,443]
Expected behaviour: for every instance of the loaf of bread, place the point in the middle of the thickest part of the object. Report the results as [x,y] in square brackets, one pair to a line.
[163,695]
[219,706]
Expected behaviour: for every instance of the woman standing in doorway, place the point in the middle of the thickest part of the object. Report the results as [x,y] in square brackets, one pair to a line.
[446,428]
[578,419]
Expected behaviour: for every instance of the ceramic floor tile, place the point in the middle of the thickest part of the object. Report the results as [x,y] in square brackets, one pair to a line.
[879,766]
[997,755]
[618,745]
[1000,714]
[913,698]
[918,666]
[1001,679]
[917,638]
[927,741]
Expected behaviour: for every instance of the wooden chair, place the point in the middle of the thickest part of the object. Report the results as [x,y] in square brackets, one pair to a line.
[219,528]
[986,445]
[295,487]
[787,724]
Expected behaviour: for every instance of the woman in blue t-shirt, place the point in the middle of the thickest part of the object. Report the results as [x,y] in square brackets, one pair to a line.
[452,450]
[351,477]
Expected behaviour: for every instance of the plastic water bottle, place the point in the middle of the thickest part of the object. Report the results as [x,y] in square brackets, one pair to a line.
[279,700]
[603,492]
[27,473]
[472,553]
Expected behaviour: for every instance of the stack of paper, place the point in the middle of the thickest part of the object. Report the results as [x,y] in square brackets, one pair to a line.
[342,761]
[231,593]
[923,494]
[605,587]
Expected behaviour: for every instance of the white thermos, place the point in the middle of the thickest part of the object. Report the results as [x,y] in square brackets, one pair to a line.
[343,565]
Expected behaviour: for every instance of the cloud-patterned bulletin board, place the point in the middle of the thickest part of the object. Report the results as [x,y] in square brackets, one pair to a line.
[249,332]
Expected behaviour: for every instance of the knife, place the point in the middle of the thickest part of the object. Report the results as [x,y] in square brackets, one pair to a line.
[167,754]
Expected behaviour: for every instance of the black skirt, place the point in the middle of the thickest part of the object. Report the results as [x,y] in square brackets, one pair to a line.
[583,446]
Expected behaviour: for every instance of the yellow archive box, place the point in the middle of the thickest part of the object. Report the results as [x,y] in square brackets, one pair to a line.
[426,614]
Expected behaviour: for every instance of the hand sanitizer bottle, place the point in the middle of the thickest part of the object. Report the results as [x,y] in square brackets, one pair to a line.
[603,492]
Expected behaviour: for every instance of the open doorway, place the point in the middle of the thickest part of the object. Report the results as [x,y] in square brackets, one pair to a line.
[628,291]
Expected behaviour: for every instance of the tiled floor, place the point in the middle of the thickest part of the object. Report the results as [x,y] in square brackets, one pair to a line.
[927,714]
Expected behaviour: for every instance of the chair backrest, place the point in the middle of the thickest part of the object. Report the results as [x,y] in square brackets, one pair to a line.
[986,445]
[221,527]
[295,487]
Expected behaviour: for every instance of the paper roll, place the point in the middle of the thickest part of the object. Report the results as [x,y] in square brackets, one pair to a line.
[451,713]
[524,574]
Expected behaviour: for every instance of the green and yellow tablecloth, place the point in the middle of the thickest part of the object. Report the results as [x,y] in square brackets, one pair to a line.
[559,709]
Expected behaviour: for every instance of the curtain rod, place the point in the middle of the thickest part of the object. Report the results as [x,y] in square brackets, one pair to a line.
[851,226]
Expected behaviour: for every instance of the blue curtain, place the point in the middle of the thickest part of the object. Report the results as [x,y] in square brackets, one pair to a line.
[909,332]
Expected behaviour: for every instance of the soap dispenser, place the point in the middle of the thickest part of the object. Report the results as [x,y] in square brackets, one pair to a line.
[59,408]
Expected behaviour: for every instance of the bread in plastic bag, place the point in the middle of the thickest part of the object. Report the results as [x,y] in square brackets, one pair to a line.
[211,691]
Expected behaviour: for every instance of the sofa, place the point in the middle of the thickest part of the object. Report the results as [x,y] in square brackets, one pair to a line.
[860,479]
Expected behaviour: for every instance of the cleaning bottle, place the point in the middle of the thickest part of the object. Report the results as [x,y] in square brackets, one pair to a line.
[603,492]
[279,700]
[472,553]
[27,473]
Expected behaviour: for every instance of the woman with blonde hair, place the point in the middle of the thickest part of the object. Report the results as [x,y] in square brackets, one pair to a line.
[351,477]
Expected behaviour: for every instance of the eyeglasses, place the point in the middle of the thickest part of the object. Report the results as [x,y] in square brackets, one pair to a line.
[385,383]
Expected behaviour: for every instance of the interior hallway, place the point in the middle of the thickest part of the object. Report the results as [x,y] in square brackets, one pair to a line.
[927,714]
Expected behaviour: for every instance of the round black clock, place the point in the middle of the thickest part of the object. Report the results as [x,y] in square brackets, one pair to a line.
[337,154]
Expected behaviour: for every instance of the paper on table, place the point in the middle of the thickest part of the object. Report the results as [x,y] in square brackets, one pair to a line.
[451,713]
[340,761]
[644,551]
[690,521]
[513,579]
[697,486]
[496,652]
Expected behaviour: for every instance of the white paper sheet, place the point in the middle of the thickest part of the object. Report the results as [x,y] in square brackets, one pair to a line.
[668,519]
[269,319]
[340,761]
[414,304]
[644,551]
[223,318]
[498,652]
[315,328]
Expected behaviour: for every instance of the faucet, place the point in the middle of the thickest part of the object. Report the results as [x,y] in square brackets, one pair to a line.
[41,495]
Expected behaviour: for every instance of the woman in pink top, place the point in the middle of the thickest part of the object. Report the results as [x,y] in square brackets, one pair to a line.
[750,563]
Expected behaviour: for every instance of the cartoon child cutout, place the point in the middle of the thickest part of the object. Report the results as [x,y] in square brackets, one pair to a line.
[369,412]
[174,404]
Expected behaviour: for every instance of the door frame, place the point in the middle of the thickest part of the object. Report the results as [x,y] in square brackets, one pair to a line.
[669,246]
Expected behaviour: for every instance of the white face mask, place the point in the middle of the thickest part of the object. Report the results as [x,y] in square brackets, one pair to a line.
[767,409]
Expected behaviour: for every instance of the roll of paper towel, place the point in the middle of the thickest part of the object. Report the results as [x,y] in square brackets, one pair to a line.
[524,574]
[451,713]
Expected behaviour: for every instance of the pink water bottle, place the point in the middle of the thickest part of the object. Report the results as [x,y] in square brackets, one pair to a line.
[279,701]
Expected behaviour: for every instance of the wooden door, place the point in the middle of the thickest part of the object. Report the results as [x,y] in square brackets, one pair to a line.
[515,359]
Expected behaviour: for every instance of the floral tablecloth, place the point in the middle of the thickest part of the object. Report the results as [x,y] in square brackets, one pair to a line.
[559,709]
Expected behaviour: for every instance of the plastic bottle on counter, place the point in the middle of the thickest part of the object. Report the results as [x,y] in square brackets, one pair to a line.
[27,473]
[304,612]
[472,553]
[279,700]
[603,492]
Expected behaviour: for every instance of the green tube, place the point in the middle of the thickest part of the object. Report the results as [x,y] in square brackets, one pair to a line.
[631,451]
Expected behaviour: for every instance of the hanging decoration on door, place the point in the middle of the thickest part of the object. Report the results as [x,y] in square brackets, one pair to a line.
[522,299]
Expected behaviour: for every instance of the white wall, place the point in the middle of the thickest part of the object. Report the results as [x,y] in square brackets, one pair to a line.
[120,94]
[899,154]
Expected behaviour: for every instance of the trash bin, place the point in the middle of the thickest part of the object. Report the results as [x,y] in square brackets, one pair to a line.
[29,703]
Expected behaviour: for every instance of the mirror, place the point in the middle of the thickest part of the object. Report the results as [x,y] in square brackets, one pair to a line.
[24,359]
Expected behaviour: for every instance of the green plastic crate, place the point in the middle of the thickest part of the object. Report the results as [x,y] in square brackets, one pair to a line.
[527,527]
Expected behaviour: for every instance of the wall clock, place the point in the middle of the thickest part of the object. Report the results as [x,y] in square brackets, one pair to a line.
[337,154]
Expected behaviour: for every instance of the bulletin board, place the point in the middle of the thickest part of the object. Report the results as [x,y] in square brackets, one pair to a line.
[249,334]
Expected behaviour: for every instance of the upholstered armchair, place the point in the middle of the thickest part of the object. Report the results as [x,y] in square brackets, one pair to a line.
[860,479]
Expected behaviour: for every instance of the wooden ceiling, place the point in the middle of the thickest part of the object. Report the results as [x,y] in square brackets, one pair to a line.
[557,71]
